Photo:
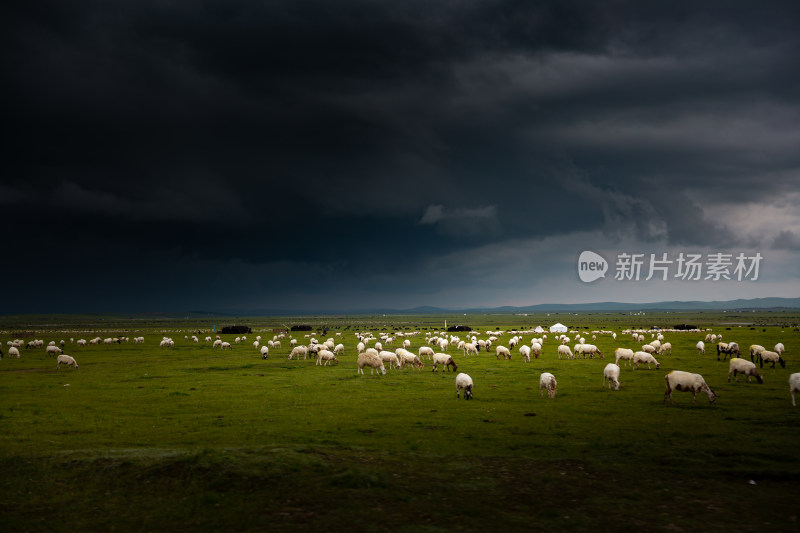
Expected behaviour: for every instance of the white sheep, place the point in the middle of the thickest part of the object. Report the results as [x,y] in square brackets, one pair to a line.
[297,351]
[626,354]
[390,358]
[743,366]
[217,343]
[611,375]
[591,350]
[425,351]
[470,348]
[65,359]
[701,347]
[771,357]
[81,342]
[727,349]
[779,348]
[547,381]
[644,357]
[255,344]
[502,350]
[264,352]
[755,351]
[666,349]
[794,385]
[372,361]
[565,351]
[536,349]
[687,382]
[13,351]
[226,346]
[648,348]
[444,360]
[338,349]
[54,350]
[464,382]
[525,352]
[327,356]
[408,358]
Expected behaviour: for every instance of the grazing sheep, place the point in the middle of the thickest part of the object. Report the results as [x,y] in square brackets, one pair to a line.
[426,351]
[727,349]
[13,351]
[264,352]
[701,347]
[644,357]
[53,350]
[464,382]
[743,366]
[217,343]
[298,351]
[338,349]
[771,357]
[565,351]
[755,351]
[226,346]
[64,359]
[687,382]
[547,381]
[649,348]
[666,349]
[444,360]
[794,385]
[327,356]
[502,350]
[372,361]
[626,354]
[657,345]
[591,350]
[390,358]
[255,344]
[779,349]
[536,349]
[408,358]
[470,348]
[611,375]
[525,352]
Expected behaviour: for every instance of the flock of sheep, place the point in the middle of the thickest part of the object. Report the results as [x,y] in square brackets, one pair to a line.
[377,358]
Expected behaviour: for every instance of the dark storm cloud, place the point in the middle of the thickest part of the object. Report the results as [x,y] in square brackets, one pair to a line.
[317,140]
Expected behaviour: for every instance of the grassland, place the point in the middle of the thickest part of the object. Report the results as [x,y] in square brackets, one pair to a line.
[191,438]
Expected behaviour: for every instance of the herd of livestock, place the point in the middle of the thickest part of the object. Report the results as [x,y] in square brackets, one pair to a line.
[436,345]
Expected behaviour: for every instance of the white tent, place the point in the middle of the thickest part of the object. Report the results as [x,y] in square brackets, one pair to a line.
[539,329]
[558,328]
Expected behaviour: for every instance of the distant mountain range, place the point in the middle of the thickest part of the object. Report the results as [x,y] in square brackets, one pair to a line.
[730,305]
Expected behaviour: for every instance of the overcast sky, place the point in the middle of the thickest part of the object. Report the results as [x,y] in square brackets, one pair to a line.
[242,155]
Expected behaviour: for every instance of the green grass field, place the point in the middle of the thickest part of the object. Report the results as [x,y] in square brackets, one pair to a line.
[194,438]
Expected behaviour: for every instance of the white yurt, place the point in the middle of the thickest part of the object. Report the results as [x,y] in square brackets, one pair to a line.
[558,328]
